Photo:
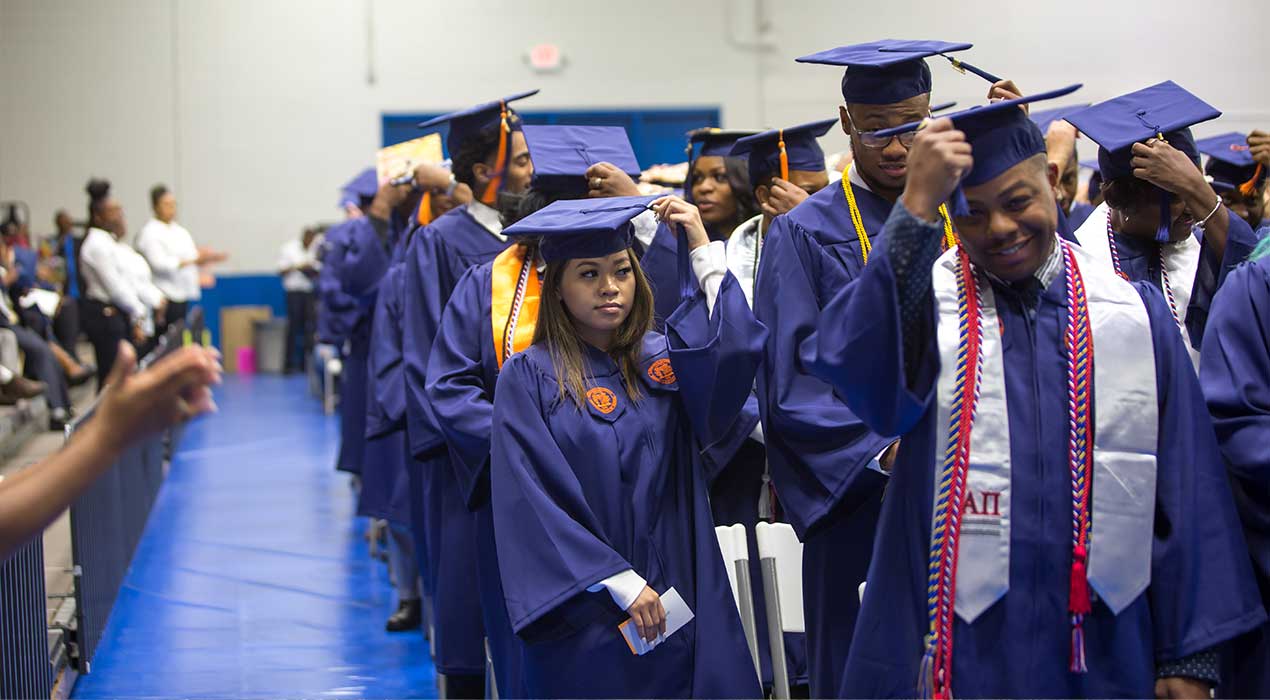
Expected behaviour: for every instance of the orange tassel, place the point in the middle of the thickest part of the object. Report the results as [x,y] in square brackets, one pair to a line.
[784,156]
[1249,187]
[425,210]
[490,196]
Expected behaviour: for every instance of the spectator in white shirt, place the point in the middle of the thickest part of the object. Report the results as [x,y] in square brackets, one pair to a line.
[138,272]
[112,308]
[173,257]
[298,264]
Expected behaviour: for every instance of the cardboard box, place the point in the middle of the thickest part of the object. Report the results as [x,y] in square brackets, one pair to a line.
[236,330]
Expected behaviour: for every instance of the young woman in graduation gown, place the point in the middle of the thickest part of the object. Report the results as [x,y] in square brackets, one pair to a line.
[1235,373]
[600,501]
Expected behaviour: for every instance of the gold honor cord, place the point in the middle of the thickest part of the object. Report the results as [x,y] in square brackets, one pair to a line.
[950,238]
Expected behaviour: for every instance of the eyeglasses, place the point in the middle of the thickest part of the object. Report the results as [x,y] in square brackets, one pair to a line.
[870,139]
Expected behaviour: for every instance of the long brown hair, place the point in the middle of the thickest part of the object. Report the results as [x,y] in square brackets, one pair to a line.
[556,330]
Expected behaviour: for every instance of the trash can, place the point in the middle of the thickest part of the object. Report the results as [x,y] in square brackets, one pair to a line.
[269,337]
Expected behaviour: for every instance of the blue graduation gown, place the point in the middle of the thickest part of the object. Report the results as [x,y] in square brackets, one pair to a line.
[580,495]
[435,260]
[817,448]
[462,372]
[1201,591]
[1140,260]
[385,489]
[349,317]
[1080,211]
[1235,374]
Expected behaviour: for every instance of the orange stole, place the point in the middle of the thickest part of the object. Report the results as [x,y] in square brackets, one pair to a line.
[505,279]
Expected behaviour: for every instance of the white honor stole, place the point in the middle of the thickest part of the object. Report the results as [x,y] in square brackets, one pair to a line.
[1126,415]
[1181,262]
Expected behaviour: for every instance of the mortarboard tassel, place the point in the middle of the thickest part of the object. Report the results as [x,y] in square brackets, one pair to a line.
[425,210]
[959,205]
[1162,233]
[962,66]
[490,196]
[1248,188]
[784,156]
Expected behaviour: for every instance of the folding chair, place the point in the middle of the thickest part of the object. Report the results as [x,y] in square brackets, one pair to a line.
[734,544]
[781,560]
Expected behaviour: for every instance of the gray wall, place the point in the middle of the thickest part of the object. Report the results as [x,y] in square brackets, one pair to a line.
[255,111]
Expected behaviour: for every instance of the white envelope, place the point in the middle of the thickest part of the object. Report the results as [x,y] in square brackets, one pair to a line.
[677,615]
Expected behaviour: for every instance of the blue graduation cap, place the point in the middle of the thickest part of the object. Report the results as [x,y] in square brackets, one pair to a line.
[1000,134]
[562,155]
[890,70]
[936,109]
[1164,110]
[1230,163]
[1091,165]
[1045,117]
[710,141]
[779,151]
[361,189]
[471,122]
[582,228]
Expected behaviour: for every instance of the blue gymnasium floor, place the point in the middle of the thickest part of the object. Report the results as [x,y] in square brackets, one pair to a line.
[253,578]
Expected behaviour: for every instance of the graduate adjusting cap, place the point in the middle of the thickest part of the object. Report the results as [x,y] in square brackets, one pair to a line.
[471,122]
[1230,163]
[777,152]
[1164,110]
[936,109]
[582,228]
[890,70]
[1045,117]
[360,189]
[1000,134]
[562,155]
[714,142]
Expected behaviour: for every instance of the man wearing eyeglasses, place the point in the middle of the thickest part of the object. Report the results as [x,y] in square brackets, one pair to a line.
[827,467]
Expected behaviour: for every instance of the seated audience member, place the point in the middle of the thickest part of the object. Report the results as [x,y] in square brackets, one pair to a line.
[14,386]
[299,266]
[41,362]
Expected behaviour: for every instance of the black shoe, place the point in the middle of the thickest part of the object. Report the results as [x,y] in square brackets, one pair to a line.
[409,616]
[81,377]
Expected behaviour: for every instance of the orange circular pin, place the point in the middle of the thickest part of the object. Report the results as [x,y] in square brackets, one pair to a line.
[604,400]
[661,372]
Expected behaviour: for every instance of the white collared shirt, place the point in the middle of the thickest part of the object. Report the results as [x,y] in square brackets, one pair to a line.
[488,217]
[166,247]
[295,255]
[105,278]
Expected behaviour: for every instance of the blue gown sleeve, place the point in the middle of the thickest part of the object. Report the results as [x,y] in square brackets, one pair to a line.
[802,415]
[425,298]
[385,363]
[366,256]
[1235,371]
[715,357]
[1202,589]
[885,368]
[550,549]
[456,384]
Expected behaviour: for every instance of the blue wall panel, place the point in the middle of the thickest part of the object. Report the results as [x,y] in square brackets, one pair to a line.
[242,290]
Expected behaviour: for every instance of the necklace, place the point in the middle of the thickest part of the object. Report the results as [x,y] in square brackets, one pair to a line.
[866,246]
[1164,271]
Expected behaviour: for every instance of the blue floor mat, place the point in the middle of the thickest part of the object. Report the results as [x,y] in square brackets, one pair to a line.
[253,578]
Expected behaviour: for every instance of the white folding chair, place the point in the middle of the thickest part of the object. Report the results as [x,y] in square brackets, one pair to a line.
[734,544]
[781,560]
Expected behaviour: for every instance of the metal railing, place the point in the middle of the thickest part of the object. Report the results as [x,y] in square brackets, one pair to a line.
[25,670]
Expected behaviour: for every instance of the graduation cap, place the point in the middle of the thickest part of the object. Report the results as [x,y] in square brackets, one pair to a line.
[361,189]
[1091,165]
[582,228]
[1230,163]
[890,70]
[1045,117]
[1000,134]
[1165,111]
[936,109]
[714,142]
[469,123]
[562,155]
[779,151]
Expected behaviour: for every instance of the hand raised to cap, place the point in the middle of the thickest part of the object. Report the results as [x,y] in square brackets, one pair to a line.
[939,158]
[1259,147]
[675,210]
[1164,166]
[782,197]
[608,180]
